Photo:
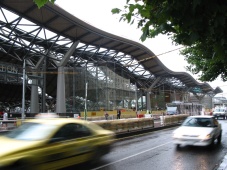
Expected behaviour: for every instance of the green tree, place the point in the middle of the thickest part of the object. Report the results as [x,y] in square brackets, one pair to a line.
[41,3]
[199,25]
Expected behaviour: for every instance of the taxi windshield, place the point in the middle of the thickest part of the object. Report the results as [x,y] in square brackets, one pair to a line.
[31,131]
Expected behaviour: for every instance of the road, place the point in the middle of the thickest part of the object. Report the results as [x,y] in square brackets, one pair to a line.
[156,151]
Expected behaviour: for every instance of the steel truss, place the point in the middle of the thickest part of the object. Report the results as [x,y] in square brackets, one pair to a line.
[112,76]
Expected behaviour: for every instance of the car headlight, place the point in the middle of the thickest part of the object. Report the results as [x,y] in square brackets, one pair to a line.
[205,137]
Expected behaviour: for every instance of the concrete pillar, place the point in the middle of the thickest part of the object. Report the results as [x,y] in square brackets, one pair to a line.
[34,97]
[148,101]
[34,91]
[60,103]
[148,93]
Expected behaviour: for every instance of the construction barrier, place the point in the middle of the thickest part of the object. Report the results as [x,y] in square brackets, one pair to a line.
[126,125]
[168,120]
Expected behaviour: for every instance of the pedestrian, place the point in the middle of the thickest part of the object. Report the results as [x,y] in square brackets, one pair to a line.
[106,115]
[119,114]
[5,116]
[1,114]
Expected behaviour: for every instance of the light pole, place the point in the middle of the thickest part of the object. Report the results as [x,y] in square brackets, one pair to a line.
[23,93]
[136,98]
[85,105]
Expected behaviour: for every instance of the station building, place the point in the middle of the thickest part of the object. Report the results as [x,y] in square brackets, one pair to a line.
[52,61]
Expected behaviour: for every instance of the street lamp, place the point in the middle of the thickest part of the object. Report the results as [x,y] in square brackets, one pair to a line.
[136,98]
[85,105]
[23,93]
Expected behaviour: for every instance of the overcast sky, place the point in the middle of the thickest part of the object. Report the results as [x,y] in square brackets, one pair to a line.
[98,13]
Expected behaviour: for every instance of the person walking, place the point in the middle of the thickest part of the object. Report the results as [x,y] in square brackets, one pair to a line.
[106,115]
[119,114]
[5,118]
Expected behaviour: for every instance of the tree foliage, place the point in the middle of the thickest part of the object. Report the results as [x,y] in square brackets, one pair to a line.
[41,3]
[199,25]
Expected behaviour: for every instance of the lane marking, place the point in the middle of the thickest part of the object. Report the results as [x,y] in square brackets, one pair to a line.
[131,156]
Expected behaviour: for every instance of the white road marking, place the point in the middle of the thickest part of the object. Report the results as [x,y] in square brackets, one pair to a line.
[131,156]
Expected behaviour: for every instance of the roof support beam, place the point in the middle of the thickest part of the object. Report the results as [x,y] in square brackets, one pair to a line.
[60,101]
[68,54]
[154,83]
[148,97]
[34,91]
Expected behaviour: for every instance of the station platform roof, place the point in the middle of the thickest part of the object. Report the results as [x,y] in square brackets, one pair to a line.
[31,33]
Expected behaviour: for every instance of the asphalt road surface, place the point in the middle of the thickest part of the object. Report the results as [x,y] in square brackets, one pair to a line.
[156,151]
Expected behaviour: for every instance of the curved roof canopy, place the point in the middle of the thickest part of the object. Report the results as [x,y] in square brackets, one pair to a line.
[31,33]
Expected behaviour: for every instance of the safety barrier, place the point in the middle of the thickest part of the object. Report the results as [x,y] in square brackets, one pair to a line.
[127,125]
[167,120]
[9,124]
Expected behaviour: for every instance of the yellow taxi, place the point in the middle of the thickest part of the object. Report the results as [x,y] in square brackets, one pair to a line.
[53,143]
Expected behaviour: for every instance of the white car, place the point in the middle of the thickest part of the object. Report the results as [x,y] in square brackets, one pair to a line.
[198,131]
[220,112]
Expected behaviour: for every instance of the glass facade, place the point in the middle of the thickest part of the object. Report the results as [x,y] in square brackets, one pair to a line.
[106,90]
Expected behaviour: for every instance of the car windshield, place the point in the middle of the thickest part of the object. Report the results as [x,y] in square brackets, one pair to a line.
[31,131]
[219,110]
[198,122]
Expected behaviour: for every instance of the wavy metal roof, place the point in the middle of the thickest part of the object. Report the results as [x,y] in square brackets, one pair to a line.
[140,63]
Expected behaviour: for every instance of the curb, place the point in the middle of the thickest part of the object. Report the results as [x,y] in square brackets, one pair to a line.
[141,131]
[223,165]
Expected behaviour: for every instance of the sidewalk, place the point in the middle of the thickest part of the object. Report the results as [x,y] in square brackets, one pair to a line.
[223,165]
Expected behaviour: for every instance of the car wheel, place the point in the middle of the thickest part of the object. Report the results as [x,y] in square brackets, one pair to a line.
[96,156]
[20,166]
[178,146]
[219,138]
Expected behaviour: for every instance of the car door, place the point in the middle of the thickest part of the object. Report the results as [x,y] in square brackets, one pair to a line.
[217,127]
[71,144]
